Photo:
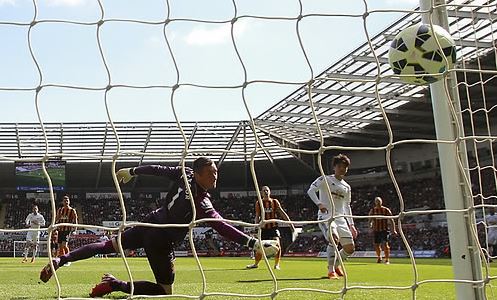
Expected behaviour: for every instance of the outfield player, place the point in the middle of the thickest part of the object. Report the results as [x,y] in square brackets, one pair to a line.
[381,230]
[159,242]
[34,221]
[54,241]
[492,233]
[65,214]
[342,228]
[272,210]
[103,238]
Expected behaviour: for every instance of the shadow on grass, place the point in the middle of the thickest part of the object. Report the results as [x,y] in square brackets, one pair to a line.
[282,279]
[224,269]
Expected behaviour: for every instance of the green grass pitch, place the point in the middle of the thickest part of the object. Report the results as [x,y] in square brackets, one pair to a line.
[37,178]
[20,281]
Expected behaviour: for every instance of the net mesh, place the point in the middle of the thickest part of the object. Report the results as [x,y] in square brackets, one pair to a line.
[476,79]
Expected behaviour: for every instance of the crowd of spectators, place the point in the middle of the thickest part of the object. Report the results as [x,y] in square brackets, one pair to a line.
[95,211]
[17,210]
[420,231]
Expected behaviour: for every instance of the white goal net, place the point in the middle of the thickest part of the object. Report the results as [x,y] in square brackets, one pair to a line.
[20,246]
[168,81]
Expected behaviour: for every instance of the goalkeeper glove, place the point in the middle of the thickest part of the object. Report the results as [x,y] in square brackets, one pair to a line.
[125,175]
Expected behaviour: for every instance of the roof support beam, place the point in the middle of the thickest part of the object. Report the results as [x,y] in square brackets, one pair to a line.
[346,118]
[61,141]
[259,142]
[307,128]
[147,141]
[230,144]
[459,42]
[366,95]
[190,139]
[472,15]
[18,141]
[364,58]
[358,108]
[289,129]
[328,130]
[342,133]
[102,151]
[276,168]
[282,142]
[361,78]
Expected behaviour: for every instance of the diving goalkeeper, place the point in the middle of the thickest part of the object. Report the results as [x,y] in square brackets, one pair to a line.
[159,242]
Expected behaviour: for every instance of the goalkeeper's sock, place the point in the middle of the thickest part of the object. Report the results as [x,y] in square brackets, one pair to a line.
[141,288]
[88,251]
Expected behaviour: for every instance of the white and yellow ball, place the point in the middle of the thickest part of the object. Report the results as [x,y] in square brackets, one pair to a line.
[416,53]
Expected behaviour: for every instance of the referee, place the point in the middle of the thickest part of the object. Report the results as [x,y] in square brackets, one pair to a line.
[380,229]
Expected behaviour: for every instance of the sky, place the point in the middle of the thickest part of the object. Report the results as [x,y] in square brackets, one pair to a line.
[137,55]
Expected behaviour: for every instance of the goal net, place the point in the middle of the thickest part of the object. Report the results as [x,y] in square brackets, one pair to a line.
[20,246]
[168,81]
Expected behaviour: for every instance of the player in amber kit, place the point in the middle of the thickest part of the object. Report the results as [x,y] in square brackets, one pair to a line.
[381,231]
[272,210]
[342,228]
[65,214]
[159,242]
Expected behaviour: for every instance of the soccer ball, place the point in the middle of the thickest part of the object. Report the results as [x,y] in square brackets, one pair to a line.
[414,51]
[270,247]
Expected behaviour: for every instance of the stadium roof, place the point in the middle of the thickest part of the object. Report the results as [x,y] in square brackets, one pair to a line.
[344,97]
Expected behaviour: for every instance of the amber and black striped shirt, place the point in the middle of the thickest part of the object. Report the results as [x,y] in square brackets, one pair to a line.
[380,224]
[66,215]
[271,207]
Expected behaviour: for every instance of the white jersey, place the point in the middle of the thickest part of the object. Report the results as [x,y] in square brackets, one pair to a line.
[34,222]
[340,192]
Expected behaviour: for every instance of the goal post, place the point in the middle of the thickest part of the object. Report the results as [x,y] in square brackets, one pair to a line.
[464,248]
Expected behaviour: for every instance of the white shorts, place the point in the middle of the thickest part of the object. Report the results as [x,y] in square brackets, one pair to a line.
[33,236]
[339,228]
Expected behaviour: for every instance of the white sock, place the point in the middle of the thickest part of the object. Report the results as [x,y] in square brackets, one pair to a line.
[332,259]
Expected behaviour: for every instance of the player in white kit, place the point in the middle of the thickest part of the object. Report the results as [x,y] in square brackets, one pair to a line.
[34,221]
[492,233]
[343,229]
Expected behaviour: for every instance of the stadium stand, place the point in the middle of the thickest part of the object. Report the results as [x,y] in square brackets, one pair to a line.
[424,232]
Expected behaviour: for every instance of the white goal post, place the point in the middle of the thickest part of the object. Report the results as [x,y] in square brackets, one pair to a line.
[464,248]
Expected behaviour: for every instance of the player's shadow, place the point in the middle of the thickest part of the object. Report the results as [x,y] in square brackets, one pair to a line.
[225,269]
[283,279]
